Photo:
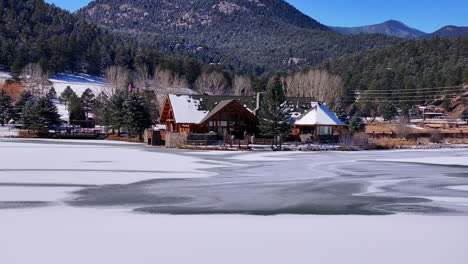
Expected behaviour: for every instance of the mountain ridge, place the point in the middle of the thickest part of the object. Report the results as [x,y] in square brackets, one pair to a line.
[399,29]
[271,34]
[391,27]
[449,32]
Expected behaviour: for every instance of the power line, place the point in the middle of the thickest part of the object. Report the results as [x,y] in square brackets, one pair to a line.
[409,91]
[419,89]
[409,96]
[371,100]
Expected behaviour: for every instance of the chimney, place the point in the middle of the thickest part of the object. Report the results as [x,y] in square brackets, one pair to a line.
[259,98]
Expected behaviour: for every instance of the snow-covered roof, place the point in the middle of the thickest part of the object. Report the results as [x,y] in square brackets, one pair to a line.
[319,115]
[186,109]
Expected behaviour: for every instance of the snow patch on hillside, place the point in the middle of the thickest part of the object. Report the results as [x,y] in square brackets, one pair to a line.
[78,83]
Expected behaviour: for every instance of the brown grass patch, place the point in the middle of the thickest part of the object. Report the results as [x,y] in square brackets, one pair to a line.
[393,143]
[123,139]
[27,134]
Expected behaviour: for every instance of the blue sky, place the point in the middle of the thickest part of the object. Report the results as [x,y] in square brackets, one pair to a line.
[425,15]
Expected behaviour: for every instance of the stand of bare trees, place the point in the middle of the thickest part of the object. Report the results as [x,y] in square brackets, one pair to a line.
[164,79]
[242,86]
[117,78]
[141,78]
[36,79]
[212,83]
[319,84]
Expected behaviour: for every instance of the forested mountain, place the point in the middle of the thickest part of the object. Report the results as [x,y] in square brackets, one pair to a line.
[269,34]
[33,31]
[412,65]
[449,32]
[390,28]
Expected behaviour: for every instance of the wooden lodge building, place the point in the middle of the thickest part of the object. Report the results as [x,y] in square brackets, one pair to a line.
[238,116]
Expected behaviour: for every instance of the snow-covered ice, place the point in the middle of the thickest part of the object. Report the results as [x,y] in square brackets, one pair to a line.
[440,160]
[459,188]
[98,223]
[58,235]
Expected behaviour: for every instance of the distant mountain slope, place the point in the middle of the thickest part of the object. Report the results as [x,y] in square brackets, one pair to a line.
[449,32]
[409,65]
[390,28]
[271,34]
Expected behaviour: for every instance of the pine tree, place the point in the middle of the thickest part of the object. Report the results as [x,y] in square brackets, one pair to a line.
[356,124]
[388,110]
[98,108]
[354,110]
[76,110]
[275,118]
[16,69]
[137,115]
[87,101]
[446,104]
[67,96]
[114,111]
[40,116]
[20,103]
[6,107]
[52,94]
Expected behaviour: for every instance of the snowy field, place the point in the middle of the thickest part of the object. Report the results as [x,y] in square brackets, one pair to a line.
[78,83]
[79,202]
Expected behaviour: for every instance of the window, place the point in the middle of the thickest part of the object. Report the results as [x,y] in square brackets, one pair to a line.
[324,131]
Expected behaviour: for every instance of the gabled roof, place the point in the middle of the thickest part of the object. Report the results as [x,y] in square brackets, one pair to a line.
[220,106]
[186,109]
[197,109]
[319,115]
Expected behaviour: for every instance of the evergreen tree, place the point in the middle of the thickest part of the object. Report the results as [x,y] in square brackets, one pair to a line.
[192,71]
[67,96]
[137,115]
[6,107]
[76,110]
[98,108]
[16,69]
[405,110]
[151,102]
[40,116]
[388,110]
[356,124]
[354,110]
[446,104]
[52,94]
[338,107]
[20,103]
[275,120]
[87,101]
[114,112]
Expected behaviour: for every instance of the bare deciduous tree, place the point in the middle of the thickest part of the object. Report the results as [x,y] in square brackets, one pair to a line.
[117,78]
[213,83]
[142,77]
[166,79]
[242,86]
[319,84]
[36,79]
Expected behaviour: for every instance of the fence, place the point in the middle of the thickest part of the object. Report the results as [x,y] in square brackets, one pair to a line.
[419,135]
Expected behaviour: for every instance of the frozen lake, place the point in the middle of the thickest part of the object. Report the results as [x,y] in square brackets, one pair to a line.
[122,203]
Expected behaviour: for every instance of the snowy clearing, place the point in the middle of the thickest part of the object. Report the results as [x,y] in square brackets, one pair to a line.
[8,131]
[78,83]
